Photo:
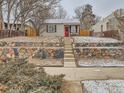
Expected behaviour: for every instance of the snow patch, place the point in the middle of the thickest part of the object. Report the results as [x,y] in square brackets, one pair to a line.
[103,86]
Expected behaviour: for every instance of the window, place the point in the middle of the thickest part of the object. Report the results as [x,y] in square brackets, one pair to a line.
[101,28]
[107,26]
[73,29]
[5,25]
[51,28]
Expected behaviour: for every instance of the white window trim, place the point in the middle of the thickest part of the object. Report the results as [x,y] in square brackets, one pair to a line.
[51,28]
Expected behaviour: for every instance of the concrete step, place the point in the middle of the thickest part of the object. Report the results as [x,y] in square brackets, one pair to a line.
[69,60]
[69,64]
[69,49]
[68,56]
[68,52]
[66,46]
[67,43]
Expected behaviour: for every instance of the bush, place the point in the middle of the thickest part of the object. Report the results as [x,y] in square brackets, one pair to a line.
[22,77]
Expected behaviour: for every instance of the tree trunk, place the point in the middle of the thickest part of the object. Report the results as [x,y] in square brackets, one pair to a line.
[1,18]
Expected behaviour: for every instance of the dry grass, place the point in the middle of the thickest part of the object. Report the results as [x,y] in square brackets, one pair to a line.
[71,87]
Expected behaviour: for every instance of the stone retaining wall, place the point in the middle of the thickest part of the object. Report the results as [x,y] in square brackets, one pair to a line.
[89,51]
[45,50]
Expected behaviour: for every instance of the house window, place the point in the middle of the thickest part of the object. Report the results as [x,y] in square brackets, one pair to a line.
[5,25]
[101,28]
[73,29]
[51,28]
[107,26]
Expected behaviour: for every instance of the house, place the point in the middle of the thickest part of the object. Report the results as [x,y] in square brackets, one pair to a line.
[15,30]
[62,27]
[108,26]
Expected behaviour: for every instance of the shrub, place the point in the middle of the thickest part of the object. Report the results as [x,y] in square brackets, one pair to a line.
[22,77]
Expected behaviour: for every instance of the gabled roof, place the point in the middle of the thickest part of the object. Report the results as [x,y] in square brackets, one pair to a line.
[62,21]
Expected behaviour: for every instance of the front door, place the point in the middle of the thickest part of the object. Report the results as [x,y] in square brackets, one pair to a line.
[66,31]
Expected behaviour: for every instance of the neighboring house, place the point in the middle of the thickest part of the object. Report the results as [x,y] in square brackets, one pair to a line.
[30,31]
[15,30]
[62,27]
[12,26]
[108,25]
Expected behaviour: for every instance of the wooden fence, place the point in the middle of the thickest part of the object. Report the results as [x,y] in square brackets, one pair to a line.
[112,34]
[11,33]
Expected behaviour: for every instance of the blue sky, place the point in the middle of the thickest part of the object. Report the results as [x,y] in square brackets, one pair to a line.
[100,7]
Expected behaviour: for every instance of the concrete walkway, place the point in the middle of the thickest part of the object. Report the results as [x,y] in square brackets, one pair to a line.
[79,74]
[69,59]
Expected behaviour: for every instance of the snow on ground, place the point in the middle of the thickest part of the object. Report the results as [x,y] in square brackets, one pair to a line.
[100,62]
[32,39]
[95,40]
[103,86]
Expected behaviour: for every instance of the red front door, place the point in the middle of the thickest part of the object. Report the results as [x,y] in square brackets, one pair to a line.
[66,31]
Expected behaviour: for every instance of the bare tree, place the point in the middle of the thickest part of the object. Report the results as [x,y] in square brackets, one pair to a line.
[1,13]
[9,6]
[60,13]
[24,8]
[78,12]
[41,13]
[37,18]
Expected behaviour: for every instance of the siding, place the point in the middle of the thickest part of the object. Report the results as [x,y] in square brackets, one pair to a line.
[59,31]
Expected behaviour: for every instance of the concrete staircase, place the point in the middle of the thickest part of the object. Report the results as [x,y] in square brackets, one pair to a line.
[69,59]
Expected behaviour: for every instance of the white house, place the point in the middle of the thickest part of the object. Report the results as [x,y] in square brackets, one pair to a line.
[62,27]
[108,23]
